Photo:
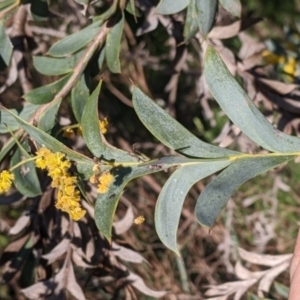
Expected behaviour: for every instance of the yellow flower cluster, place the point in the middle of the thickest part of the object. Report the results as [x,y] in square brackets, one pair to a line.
[271,58]
[289,64]
[104,181]
[69,130]
[6,179]
[103,125]
[68,197]
[139,220]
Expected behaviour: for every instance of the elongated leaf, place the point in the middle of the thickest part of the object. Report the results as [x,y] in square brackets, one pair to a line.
[170,201]
[6,47]
[107,14]
[92,135]
[130,7]
[113,46]
[232,6]
[101,58]
[282,290]
[26,179]
[241,110]
[56,66]
[9,123]
[90,124]
[216,194]
[79,95]
[206,14]
[48,118]
[170,132]
[7,3]
[169,7]
[46,93]
[191,21]
[106,204]
[51,143]
[75,41]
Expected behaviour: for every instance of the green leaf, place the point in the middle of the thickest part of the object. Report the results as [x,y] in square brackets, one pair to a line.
[132,9]
[56,66]
[240,108]
[51,143]
[234,7]
[48,118]
[6,48]
[113,46]
[171,198]
[216,194]
[26,179]
[206,14]
[39,10]
[101,58]
[106,204]
[75,41]
[46,93]
[82,2]
[92,135]
[107,14]
[169,7]
[6,4]
[281,289]
[170,132]
[79,95]
[191,26]
[9,123]
[8,146]
[251,296]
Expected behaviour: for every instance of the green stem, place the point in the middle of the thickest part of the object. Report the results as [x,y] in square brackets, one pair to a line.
[22,163]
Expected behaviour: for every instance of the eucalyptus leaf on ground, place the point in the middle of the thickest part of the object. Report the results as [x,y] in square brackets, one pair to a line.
[240,108]
[170,201]
[216,194]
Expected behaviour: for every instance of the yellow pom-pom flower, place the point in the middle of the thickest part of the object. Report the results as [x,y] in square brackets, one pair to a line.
[105,180]
[103,125]
[6,179]
[68,197]
[139,220]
